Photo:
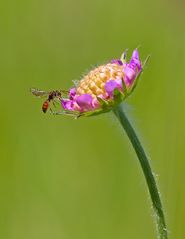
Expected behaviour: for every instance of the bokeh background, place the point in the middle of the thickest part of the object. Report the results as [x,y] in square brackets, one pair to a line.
[76,179]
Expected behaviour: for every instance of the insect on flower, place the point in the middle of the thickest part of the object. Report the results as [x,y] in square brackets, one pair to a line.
[52,96]
[100,90]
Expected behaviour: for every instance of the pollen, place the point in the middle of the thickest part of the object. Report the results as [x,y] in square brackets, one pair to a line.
[94,82]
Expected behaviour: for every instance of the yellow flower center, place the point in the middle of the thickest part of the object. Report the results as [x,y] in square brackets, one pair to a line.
[93,83]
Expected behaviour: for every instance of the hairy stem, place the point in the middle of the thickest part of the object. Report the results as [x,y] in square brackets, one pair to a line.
[149,176]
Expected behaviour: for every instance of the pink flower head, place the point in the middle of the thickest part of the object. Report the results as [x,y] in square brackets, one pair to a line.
[103,87]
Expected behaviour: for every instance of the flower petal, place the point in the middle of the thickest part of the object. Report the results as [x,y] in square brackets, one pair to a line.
[117,61]
[135,54]
[72,93]
[130,75]
[135,62]
[84,101]
[111,85]
[67,104]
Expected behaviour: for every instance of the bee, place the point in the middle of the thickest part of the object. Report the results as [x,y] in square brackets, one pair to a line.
[51,97]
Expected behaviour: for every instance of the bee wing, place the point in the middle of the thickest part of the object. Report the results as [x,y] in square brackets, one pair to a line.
[39,93]
[42,93]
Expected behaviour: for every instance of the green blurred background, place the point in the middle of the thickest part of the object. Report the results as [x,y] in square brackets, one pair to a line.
[76,179]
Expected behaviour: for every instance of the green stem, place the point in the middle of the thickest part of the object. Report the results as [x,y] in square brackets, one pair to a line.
[149,176]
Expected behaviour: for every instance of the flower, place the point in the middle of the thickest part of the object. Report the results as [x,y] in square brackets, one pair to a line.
[104,87]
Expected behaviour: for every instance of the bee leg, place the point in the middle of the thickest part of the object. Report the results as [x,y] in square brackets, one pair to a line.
[65,113]
[51,111]
[55,102]
[56,113]
[61,113]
